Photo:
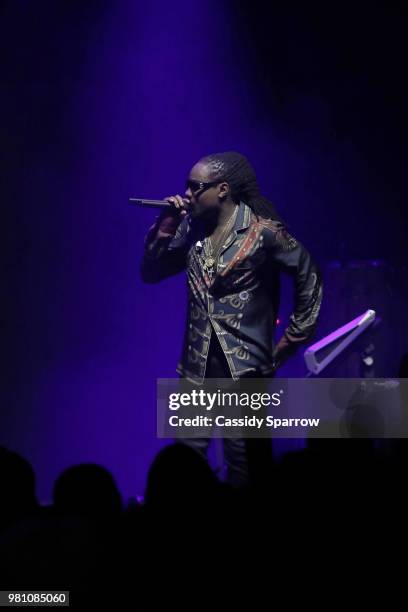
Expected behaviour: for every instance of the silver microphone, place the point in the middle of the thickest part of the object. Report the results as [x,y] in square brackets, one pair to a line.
[151,203]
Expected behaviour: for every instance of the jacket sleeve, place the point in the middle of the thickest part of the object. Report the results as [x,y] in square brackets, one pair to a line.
[290,256]
[165,251]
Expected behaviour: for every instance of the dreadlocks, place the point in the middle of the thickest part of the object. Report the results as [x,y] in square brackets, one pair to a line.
[236,170]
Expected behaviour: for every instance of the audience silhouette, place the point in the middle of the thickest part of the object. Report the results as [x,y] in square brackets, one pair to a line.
[104,551]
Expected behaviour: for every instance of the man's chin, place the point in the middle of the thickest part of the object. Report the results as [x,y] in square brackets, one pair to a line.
[203,213]
[197,213]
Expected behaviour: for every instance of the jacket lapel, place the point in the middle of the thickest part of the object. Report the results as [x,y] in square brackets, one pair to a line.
[241,223]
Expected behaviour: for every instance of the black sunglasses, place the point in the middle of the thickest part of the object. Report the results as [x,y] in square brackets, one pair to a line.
[199,185]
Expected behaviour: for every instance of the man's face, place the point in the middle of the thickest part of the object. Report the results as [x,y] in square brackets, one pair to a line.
[203,200]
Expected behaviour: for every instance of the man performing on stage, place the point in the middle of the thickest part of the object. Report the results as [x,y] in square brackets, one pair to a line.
[233,245]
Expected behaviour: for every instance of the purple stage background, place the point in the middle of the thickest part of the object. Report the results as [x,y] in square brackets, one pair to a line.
[103,100]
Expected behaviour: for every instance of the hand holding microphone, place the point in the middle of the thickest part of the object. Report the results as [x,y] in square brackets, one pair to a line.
[181,204]
[174,211]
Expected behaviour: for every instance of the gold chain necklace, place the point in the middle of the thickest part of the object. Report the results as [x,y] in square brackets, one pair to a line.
[212,251]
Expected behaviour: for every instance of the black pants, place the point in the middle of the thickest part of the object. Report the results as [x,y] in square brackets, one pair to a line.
[248,461]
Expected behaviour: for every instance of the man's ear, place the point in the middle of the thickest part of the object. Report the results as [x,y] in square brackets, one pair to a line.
[224,190]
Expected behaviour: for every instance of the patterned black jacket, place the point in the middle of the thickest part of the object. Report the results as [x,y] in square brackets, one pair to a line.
[240,304]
